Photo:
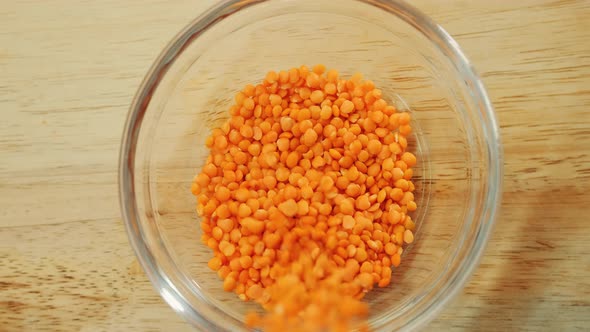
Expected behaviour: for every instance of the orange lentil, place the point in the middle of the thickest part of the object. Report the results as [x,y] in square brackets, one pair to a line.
[319,69]
[397,173]
[408,236]
[374,146]
[244,210]
[253,225]
[348,222]
[227,248]
[302,208]
[222,194]
[217,233]
[361,255]
[305,197]
[317,96]
[347,107]
[402,184]
[362,202]
[326,183]
[215,263]
[366,267]
[412,206]
[404,118]
[289,208]
[330,88]
[409,159]
[309,138]
[281,174]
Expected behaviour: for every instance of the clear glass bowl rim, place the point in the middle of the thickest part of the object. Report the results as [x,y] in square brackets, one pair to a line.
[224,8]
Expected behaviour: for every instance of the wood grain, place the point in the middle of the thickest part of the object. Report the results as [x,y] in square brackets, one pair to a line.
[69,70]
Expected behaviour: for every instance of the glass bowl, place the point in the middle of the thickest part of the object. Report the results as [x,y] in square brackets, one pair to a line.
[418,66]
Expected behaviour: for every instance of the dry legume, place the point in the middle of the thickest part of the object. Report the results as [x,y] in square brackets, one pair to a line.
[305,197]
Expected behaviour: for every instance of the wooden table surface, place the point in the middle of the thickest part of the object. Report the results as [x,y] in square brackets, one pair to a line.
[69,69]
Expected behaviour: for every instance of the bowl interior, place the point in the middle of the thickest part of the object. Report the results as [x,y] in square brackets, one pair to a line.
[385,42]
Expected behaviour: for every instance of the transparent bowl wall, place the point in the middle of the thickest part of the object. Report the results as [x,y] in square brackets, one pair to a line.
[419,68]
